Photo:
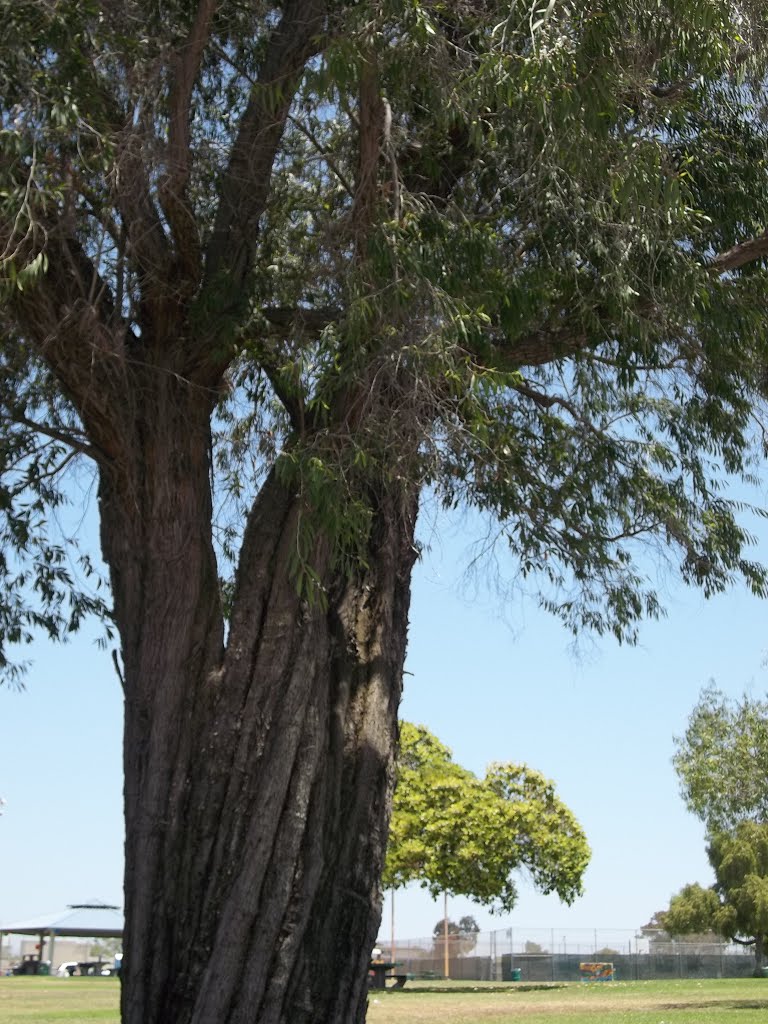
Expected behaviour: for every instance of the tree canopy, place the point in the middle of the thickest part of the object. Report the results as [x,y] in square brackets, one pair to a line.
[491,249]
[455,833]
[722,760]
[275,270]
[736,906]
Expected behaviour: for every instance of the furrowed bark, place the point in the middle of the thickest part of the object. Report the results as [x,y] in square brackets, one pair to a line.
[156,537]
[258,779]
[311,697]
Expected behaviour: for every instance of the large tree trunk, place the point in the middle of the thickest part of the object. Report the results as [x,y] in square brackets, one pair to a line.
[759,956]
[258,774]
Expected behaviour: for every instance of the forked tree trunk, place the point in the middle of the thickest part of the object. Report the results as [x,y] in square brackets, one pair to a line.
[258,776]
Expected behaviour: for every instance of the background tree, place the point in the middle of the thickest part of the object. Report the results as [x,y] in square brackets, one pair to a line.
[657,934]
[736,906]
[105,948]
[534,948]
[465,836]
[295,262]
[462,936]
[722,760]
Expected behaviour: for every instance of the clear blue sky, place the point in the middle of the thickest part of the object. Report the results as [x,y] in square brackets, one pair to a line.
[492,683]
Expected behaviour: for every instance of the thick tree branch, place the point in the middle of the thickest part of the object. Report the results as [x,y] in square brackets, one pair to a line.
[371,135]
[186,67]
[540,347]
[307,319]
[289,395]
[284,321]
[740,255]
[245,189]
[181,218]
[134,194]
[69,317]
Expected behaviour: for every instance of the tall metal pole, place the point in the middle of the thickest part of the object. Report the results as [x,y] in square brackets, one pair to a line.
[446,964]
[392,942]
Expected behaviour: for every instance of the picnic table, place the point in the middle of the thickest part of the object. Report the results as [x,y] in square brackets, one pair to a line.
[378,971]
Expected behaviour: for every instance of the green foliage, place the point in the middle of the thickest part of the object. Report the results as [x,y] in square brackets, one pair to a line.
[693,910]
[736,906]
[455,833]
[48,584]
[515,305]
[466,925]
[722,760]
[462,936]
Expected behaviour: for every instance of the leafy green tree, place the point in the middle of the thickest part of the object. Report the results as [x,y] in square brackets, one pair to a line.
[295,262]
[736,906]
[105,947]
[455,833]
[722,760]
[656,931]
[466,925]
[462,936]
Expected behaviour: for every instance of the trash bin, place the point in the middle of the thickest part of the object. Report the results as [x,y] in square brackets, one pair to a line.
[44,968]
[516,974]
[764,972]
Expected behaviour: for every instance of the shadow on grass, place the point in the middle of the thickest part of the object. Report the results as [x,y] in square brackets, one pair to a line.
[720,1004]
[468,987]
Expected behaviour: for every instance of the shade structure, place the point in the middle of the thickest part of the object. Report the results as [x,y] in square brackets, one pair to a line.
[92,919]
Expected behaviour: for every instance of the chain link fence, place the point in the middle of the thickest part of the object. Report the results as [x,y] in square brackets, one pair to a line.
[547,955]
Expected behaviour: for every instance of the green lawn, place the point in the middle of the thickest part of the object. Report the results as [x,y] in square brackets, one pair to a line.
[59,1000]
[637,1002]
[85,1000]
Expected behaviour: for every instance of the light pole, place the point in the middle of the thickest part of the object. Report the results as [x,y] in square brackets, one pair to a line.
[446,964]
[392,923]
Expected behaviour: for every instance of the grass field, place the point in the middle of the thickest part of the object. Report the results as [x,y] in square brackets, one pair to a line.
[743,1001]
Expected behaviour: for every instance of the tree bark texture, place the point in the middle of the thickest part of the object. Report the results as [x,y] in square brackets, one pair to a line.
[258,767]
[759,955]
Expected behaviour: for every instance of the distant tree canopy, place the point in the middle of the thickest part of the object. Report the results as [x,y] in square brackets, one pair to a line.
[722,760]
[462,936]
[656,930]
[455,833]
[722,763]
[736,906]
[534,948]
